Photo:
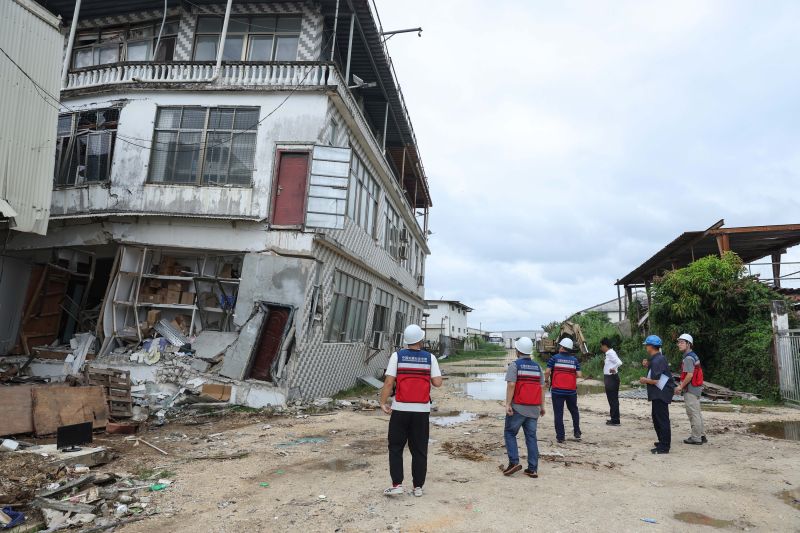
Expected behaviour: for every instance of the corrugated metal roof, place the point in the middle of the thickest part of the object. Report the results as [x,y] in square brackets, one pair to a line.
[30,37]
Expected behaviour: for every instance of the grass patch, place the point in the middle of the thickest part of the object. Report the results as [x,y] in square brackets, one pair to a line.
[484,351]
[150,473]
[767,402]
[361,389]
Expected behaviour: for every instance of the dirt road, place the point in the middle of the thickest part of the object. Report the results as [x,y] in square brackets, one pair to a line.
[326,473]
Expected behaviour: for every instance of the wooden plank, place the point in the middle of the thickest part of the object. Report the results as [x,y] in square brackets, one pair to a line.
[46,503]
[17,410]
[60,406]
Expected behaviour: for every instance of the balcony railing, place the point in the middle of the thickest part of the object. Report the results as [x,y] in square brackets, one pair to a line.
[273,74]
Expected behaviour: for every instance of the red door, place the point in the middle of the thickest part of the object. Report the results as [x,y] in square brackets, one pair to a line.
[270,343]
[290,189]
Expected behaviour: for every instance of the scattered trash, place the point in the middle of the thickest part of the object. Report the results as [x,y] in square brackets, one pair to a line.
[322,497]
[155,487]
[11,518]
[303,440]
[649,520]
[263,484]
[9,445]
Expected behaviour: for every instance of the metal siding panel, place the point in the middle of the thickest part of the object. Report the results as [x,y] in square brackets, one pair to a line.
[27,156]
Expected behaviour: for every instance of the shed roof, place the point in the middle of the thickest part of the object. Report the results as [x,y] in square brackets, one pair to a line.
[750,243]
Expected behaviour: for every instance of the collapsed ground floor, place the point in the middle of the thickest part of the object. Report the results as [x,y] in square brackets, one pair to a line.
[278,315]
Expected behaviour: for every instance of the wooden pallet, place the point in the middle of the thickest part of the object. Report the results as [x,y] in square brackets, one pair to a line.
[117,386]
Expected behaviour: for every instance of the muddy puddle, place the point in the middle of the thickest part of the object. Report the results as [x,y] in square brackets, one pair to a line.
[778,429]
[492,386]
[699,519]
[452,418]
[791,497]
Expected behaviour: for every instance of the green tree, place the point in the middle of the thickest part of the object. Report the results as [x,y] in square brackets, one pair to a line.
[728,314]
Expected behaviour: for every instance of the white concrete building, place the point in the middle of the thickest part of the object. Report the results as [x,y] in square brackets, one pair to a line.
[448,317]
[249,190]
[617,309]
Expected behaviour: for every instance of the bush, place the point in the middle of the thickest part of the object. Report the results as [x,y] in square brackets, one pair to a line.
[727,313]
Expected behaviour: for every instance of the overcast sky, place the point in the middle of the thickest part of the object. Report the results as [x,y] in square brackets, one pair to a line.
[566,142]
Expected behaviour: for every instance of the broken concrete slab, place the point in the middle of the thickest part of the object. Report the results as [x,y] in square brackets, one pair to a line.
[200,365]
[209,344]
[86,456]
[369,380]
[238,355]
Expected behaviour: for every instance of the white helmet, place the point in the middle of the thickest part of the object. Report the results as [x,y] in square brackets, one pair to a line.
[413,334]
[524,345]
[567,343]
[686,337]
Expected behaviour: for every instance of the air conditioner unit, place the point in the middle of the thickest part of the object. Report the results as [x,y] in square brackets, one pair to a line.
[398,339]
[402,252]
[420,280]
[377,339]
[404,235]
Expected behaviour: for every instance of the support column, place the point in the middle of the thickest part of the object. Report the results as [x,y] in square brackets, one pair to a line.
[386,127]
[619,302]
[72,29]
[349,49]
[776,269]
[723,243]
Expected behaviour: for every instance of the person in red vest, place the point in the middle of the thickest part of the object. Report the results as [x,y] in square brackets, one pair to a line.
[414,371]
[691,386]
[563,371]
[524,406]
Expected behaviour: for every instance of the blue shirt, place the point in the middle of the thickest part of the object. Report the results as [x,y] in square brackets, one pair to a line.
[563,358]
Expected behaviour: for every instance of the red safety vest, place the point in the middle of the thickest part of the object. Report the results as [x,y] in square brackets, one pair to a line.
[697,374]
[413,376]
[565,373]
[528,388]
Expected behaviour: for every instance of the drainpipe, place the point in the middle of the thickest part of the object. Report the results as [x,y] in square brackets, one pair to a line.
[73,27]
[335,24]
[385,126]
[222,37]
[349,49]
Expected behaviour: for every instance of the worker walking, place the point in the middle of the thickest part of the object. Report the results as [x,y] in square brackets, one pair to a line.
[691,386]
[611,380]
[660,388]
[414,370]
[563,371]
[524,406]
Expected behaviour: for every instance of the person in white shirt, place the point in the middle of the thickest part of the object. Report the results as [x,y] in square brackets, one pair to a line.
[414,370]
[611,380]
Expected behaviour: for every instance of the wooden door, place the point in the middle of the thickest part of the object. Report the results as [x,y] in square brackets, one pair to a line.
[269,346]
[289,193]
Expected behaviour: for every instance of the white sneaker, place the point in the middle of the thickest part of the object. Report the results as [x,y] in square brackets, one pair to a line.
[393,491]
[417,491]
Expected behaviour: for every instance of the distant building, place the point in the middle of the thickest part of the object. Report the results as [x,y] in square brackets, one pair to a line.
[510,336]
[446,317]
[617,309]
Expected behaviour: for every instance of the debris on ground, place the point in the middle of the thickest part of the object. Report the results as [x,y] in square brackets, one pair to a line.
[464,450]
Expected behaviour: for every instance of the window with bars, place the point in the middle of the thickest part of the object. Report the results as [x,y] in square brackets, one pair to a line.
[101,46]
[85,146]
[260,38]
[348,316]
[212,146]
[391,239]
[362,204]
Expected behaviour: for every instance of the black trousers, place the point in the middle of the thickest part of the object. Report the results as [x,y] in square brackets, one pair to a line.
[611,382]
[660,412]
[412,428]
[558,414]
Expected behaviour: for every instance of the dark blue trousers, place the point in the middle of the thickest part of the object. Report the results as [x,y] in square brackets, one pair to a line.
[558,414]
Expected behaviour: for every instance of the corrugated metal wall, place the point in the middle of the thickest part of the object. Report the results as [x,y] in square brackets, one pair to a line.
[30,36]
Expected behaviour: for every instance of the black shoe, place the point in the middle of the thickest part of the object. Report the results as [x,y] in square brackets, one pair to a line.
[531,473]
[658,451]
[560,441]
[612,423]
[703,439]
[511,469]
[695,442]
[578,438]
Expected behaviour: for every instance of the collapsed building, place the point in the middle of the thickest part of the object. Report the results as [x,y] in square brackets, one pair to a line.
[237,194]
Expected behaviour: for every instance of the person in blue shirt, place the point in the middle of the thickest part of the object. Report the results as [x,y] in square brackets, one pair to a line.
[660,388]
[563,371]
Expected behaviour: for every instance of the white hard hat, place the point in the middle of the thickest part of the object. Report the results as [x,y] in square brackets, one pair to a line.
[413,334]
[686,337]
[524,345]
[567,343]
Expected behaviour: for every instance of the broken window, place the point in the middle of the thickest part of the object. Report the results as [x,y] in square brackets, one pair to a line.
[381,317]
[85,146]
[101,46]
[213,146]
[362,206]
[391,241]
[400,321]
[261,38]
[348,316]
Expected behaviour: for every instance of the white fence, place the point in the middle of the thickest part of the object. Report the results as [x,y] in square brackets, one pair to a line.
[787,345]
